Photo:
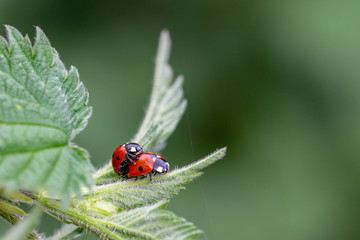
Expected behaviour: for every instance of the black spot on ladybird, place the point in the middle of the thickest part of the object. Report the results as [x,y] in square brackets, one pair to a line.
[140,169]
[113,155]
[117,157]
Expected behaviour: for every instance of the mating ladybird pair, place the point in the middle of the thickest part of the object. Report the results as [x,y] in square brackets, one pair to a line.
[130,160]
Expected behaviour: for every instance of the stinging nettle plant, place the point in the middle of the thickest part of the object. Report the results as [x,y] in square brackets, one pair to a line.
[43,106]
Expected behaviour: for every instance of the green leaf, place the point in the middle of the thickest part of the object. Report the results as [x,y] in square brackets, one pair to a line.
[147,222]
[128,194]
[42,107]
[167,106]
[9,206]
[24,228]
[167,103]
[11,209]
[15,196]
[8,217]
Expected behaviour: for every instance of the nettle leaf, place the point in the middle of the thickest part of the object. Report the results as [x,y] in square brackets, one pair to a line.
[149,222]
[42,107]
[128,194]
[146,222]
[166,108]
[167,103]
[11,209]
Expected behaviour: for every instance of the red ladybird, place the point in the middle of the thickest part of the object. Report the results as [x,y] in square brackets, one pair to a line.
[147,163]
[123,156]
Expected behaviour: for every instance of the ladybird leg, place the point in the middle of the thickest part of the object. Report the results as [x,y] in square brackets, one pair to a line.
[132,158]
[150,177]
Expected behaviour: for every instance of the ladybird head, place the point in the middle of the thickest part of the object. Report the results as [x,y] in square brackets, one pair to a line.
[132,150]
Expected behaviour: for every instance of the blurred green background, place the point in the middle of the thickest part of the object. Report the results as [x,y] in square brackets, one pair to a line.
[278,82]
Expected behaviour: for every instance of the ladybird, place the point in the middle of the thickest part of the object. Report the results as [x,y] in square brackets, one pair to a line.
[147,163]
[123,156]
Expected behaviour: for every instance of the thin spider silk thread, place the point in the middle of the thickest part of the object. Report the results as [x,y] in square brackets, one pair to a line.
[198,180]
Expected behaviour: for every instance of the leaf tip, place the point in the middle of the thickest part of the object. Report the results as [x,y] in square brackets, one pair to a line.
[9,28]
[164,47]
[12,33]
[40,36]
[74,70]
[220,152]
[165,34]
[223,150]
[38,30]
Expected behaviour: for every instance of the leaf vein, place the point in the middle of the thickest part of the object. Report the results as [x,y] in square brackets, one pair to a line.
[35,150]
[34,124]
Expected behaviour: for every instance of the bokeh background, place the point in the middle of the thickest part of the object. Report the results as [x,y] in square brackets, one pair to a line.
[278,82]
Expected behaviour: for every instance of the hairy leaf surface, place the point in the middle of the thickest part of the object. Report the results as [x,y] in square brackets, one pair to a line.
[128,194]
[42,107]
